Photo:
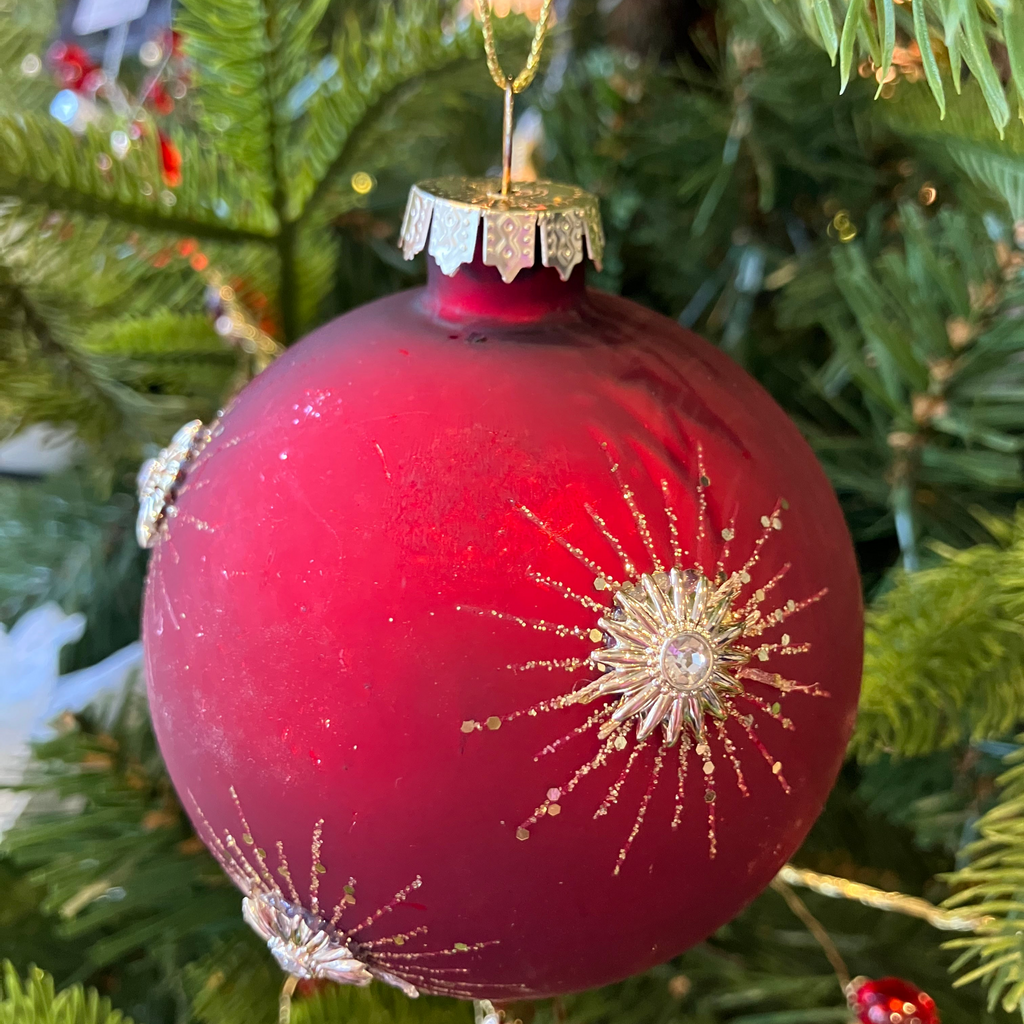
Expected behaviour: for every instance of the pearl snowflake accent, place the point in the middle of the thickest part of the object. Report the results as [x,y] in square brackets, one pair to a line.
[158,478]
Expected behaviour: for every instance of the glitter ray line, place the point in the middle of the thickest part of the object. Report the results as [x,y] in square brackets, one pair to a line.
[460,947]
[779,615]
[400,897]
[395,940]
[316,868]
[612,796]
[780,683]
[759,594]
[684,752]
[541,625]
[551,664]
[348,899]
[776,766]
[571,548]
[571,595]
[764,650]
[599,759]
[768,524]
[642,529]
[578,731]
[728,535]
[703,483]
[284,871]
[641,813]
[730,752]
[673,525]
[261,857]
[627,562]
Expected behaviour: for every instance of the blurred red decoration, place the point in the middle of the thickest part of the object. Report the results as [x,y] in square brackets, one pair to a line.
[170,159]
[74,67]
[160,99]
[176,42]
[893,1001]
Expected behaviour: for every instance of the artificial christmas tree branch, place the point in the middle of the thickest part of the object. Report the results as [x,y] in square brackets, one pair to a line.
[43,162]
[991,884]
[35,1001]
[230,194]
[953,630]
[944,34]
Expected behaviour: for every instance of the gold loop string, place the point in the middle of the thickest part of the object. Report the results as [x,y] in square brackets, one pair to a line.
[815,927]
[526,76]
[284,1002]
[506,83]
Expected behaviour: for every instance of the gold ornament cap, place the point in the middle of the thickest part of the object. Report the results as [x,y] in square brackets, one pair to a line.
[443,216]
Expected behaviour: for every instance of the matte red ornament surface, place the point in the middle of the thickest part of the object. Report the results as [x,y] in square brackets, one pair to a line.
[341,623]
[893,1001]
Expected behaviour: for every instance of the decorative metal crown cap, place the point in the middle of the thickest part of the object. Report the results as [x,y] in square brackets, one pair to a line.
[449,211]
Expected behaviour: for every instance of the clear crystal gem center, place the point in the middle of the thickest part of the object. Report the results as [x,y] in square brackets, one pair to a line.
[686,661]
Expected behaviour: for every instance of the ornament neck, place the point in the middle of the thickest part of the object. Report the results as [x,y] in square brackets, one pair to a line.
[477,292]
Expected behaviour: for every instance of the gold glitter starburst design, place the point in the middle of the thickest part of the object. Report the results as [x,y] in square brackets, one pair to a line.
[309,941]
[159,477]
[676,650]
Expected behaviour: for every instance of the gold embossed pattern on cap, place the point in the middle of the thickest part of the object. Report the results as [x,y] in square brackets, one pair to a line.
[444,216]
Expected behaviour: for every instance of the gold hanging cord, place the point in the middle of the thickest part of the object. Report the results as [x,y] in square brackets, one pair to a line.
[815,927]
[284,1003]
[509,85]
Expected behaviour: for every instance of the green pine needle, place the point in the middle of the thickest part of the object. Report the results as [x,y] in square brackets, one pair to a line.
[968,29]
[944,651]
[992,884]
[34,1001]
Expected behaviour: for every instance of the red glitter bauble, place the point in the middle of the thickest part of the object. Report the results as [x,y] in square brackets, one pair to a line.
[369,623]
[893,1001]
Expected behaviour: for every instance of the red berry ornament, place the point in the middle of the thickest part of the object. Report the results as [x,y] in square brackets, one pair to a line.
[503,638]
[893,1001]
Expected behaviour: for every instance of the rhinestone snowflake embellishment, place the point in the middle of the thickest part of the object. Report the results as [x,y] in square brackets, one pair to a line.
[159,476]
[678,646]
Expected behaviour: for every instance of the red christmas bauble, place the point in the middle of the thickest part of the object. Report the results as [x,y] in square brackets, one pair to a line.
[502,639]
[893,1001]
